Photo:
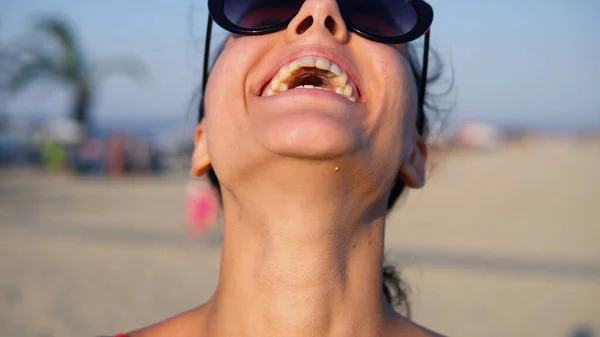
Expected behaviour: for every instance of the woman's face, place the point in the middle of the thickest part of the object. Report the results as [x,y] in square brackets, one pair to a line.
[364,115]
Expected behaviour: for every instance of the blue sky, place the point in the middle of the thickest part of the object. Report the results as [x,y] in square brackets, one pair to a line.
[534,61]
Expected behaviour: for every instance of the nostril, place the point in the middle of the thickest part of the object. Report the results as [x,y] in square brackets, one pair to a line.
[331,25]
[304,25]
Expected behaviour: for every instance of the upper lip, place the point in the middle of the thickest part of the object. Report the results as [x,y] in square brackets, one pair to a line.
[327,53]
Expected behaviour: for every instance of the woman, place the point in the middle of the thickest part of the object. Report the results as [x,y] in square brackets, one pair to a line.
[313,126]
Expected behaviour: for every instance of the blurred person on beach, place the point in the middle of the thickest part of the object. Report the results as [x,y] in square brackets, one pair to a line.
[116,155]
[202,208]
[312,124]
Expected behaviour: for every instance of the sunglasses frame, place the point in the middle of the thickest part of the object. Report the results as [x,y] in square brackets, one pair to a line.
[216,8]
[422,28]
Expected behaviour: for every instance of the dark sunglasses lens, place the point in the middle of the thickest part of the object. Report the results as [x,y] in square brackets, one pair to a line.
[258,14]
[386,18]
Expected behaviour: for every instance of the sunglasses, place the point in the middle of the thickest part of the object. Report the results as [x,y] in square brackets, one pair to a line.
[382,21]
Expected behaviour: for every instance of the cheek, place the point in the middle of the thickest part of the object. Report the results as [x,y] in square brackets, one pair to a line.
[395,72]
[224,106]
[392,86]
[225,93]
[389,76]
[223,75]
[221,105]
[393,104]
[227,88]
[226,116]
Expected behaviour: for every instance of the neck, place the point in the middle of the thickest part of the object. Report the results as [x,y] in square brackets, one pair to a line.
[305,262]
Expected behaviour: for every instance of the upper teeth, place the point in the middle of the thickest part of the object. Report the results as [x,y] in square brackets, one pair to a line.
[340,80]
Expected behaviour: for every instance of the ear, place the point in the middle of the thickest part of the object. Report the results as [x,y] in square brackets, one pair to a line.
[412,170]
[200,158]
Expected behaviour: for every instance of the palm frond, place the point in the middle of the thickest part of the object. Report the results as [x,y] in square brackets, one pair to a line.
[25,74]
[128,66]
[71,60]
[8,61]
[60,31]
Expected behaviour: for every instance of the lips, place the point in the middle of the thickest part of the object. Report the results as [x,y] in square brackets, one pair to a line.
[312,68]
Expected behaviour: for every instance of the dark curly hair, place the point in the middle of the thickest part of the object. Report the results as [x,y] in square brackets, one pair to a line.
[394,289]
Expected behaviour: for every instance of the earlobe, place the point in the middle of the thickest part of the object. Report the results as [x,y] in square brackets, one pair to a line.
[200,158]
[412,170]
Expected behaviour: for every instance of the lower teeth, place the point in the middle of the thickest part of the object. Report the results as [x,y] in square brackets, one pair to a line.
[283,87]
[308,86]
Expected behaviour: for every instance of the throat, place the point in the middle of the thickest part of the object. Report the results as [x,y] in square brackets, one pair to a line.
[291,283]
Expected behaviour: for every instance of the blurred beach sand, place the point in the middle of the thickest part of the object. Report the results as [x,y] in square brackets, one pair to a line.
[504,243]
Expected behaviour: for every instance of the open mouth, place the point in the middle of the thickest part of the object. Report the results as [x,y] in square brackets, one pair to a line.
[312,72]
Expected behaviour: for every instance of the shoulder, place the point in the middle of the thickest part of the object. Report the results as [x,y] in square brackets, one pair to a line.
[185,324]
[405,327]
[424,332]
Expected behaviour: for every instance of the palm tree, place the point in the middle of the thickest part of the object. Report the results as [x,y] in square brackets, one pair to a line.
[8,60]
[66,63]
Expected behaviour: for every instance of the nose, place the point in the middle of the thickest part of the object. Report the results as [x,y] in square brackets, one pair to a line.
[318,17]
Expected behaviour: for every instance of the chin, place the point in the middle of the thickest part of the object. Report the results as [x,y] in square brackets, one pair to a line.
[307,135]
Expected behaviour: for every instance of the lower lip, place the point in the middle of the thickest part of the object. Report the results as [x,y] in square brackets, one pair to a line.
[312,93]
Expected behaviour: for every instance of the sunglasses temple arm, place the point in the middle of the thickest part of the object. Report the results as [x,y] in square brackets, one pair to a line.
[206,60]
[423,84]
